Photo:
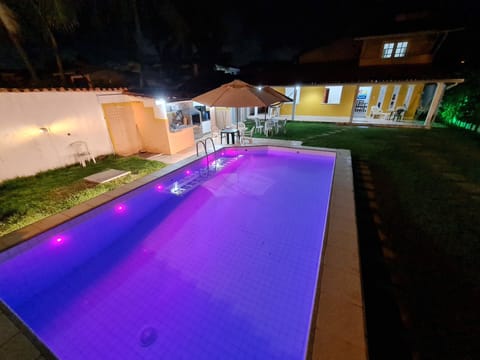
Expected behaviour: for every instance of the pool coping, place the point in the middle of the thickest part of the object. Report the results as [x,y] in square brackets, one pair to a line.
[338,323]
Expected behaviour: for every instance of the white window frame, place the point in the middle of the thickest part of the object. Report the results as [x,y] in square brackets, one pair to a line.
[408,97]
[381,96]
[397,49]
[394,97]
[333,95]
[290,92]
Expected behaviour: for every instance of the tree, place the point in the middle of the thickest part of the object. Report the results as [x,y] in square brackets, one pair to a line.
[9,21]
[461,104]
[55,15]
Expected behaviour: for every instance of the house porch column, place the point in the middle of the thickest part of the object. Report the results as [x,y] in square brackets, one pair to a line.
[432,112]
[354,101]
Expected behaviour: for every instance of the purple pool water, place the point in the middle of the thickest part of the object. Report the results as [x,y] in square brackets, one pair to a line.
[226,268]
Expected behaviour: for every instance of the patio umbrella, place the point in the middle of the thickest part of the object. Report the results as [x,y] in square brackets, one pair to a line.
[238,94]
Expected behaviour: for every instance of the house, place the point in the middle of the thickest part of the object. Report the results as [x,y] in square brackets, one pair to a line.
[365,79]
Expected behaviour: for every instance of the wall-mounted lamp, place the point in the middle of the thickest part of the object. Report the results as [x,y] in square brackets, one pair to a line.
[44,130]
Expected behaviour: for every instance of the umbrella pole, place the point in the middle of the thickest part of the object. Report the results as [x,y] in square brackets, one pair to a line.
[238,115]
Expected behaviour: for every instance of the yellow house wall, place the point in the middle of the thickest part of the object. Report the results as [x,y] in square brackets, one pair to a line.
[156,135]
[311,102]
[152,131]
[414,101]
[181,140]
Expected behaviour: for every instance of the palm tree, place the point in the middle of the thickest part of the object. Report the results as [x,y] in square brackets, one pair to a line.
[56,15]
[10,23]
[139,40]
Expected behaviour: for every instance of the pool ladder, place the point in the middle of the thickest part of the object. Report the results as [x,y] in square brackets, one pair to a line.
[204,143]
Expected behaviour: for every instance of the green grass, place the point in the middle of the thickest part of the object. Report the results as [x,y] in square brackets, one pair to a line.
[427,186]
[414,166]
[29,199]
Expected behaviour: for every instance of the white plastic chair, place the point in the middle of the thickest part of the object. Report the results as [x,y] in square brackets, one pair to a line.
[281,126]
[376,112]
[247,136]
[269,127]
[258,126]
[82,153]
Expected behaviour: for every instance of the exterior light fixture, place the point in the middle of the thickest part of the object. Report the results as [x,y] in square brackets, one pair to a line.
[160,101]
[44,130]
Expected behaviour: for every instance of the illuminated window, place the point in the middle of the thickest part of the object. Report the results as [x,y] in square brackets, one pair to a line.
[397,50]
[333,94]
[401,49]
[388,50]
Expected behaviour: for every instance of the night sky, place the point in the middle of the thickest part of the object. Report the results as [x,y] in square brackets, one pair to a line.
[169,35]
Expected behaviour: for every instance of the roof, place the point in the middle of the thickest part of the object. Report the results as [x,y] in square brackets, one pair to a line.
[347,73]
[405,34]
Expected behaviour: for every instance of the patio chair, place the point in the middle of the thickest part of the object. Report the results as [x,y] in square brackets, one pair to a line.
[247,136]
[81,152]
[258,126]
[281,126]
[399,113]
[269,127]
[377,113]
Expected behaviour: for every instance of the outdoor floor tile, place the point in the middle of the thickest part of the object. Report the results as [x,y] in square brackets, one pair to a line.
[18,236]
[345,284]
[7,329]
[18,348]
[51,221]
[341,318]
[331,347]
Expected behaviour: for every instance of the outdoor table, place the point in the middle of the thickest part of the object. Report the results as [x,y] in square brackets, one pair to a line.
[229,132]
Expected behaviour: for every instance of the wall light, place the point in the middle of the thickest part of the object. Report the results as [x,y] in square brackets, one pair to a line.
[44,130]
[160,101]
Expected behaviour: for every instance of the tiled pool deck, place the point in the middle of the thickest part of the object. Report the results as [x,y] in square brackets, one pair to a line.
[338,329]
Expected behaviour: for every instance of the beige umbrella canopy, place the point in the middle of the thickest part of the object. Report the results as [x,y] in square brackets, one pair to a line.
[240,94]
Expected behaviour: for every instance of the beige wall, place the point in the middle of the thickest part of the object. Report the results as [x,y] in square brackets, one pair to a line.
[155,133]
[137,124]
[120,118]
[69,116]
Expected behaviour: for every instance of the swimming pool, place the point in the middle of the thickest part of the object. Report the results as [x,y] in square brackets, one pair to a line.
[198,264]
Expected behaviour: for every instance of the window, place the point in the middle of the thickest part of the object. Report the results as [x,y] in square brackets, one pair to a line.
[398,49]
[333,94]
[401,49]
[290,92]
[388,50]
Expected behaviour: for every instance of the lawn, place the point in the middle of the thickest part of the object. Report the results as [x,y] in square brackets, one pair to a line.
[29,199]
[426,185]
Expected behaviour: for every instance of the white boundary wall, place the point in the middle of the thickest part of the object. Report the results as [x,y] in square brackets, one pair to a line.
[67,116]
